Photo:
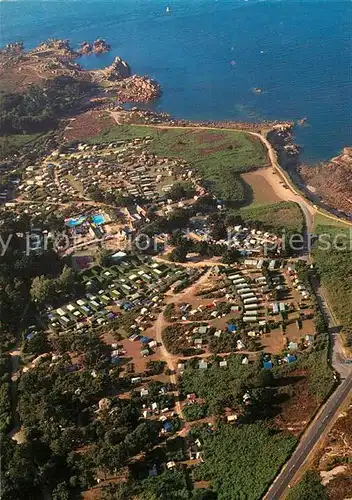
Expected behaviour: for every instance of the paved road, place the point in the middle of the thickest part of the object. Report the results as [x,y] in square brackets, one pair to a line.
[309,440]
[316,430]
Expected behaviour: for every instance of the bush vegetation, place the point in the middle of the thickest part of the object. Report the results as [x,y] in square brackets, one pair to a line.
[38,109]
[223,387]
[195,411]
[335,269]
[58,404]
[275,217]
[242,461]
[5,396]
[309,488]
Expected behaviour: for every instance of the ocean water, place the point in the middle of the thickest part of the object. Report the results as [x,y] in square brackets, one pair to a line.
[208,55]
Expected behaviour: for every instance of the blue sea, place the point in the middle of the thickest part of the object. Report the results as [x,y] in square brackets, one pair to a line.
[208,55]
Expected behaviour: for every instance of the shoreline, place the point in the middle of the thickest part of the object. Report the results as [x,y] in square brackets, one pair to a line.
[310,207]
[55,59]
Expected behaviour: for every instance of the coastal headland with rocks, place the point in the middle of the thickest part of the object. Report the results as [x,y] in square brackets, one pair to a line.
[328,184]
[56,58]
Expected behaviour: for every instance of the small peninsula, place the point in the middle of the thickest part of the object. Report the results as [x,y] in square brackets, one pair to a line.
[56,58]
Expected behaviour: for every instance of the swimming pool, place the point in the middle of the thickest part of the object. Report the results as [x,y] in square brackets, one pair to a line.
[73,222]
[98,219]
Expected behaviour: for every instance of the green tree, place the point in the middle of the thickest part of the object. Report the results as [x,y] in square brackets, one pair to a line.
[66,280]
[38,344]
[309,488]
[181,190]
[101,257]
[178,254]
[230,256]
[42,290]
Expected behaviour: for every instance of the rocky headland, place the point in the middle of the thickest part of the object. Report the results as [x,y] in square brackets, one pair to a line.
[331,182]
[56,58]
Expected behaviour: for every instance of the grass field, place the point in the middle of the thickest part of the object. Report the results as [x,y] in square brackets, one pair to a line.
[276,216]
[13,143]
[219,156]
[334,263]
[321,222]
[199,147]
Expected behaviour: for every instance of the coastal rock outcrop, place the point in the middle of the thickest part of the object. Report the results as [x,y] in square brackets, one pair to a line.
[15,47]
[99,46]
[281,137]
[55,58]
[118,70]
[85,48]
[56,44]
[331,182]
[137,89]
[140,116]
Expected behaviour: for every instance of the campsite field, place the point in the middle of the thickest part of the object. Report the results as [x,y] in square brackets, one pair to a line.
[219,157]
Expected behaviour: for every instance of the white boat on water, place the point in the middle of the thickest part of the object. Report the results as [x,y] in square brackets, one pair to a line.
[167,9]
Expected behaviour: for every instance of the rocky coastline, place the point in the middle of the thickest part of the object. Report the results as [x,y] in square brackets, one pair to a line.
[331,183]
[138,115]
[56,58]
[328,184]
[288,152]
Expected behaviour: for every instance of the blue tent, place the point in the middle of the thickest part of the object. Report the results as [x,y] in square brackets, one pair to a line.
[167,426]
[290,358]
[144,340]
[231,328]
[115,360]
[268,364]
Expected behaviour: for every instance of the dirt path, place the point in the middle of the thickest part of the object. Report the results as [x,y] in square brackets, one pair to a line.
[202,263]
[161,323]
